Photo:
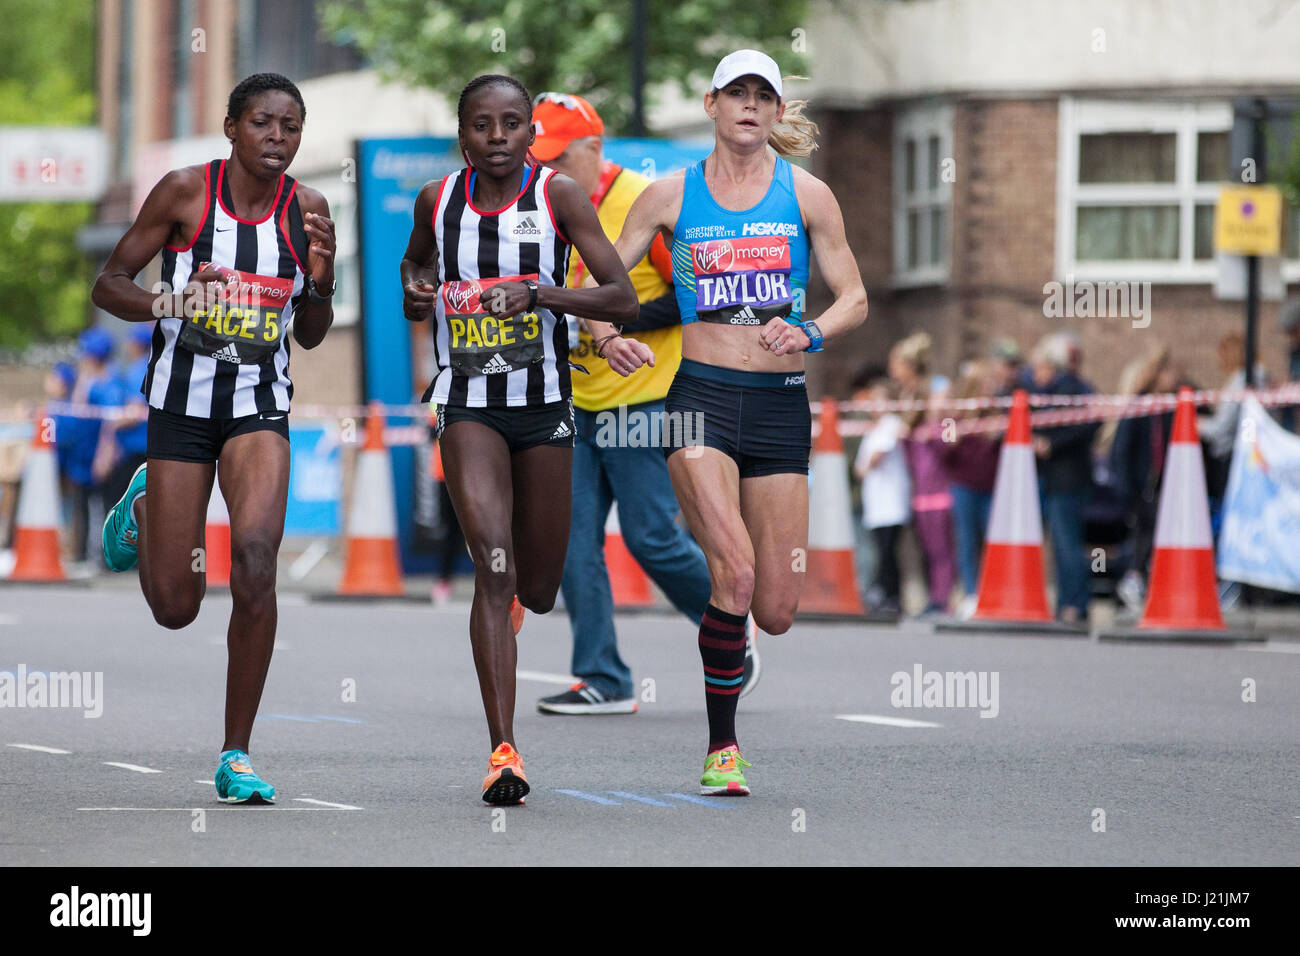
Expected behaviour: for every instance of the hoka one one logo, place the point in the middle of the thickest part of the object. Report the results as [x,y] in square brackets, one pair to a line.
[770,229]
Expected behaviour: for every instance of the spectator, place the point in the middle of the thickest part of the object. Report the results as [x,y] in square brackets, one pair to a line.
[909,366]
[1137,446]
[1219,430]
[864,546]
[1009,365]
[124,452]
[1065,477]
[1291,326]
[77,435]
[972,464]
[886,496]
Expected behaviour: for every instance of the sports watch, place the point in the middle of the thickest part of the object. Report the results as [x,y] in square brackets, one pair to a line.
[313,290]
[532,293]
[814,336]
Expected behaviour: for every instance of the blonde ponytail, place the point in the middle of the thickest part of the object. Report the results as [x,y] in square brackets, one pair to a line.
[796,134]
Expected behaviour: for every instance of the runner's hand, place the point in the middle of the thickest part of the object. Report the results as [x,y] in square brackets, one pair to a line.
[781,338]
[320,254]
[207,287]
[505,298]
[418,298]
[625,356]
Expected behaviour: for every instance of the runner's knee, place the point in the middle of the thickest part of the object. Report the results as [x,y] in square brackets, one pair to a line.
[733,580]
[494,580]
[539,600]
[252,566]
[773,620]
[176,611]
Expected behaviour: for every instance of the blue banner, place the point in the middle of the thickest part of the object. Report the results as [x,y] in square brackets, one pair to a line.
[315,482]
[1261,508]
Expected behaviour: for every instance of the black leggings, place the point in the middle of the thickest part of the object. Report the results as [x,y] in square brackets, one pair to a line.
[888,578]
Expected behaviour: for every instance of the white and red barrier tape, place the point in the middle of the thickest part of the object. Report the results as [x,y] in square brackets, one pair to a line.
[1053,410]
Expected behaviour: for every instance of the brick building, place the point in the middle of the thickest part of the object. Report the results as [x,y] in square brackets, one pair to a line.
[981,149]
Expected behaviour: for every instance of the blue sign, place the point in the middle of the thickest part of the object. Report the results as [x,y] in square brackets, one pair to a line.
[315,482]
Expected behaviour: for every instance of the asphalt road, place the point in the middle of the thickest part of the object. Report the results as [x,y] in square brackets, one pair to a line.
[1153,743]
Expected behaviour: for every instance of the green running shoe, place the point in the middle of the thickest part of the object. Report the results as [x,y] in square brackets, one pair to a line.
[237,783]
[121,535]
[722,775]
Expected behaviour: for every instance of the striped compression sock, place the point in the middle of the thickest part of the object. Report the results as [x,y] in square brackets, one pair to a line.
[722,649]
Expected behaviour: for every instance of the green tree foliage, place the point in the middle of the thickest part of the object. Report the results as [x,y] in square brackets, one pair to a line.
[578,46]
[47,78]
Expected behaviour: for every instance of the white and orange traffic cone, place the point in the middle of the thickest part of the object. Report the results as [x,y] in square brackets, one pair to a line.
[627,582]
[831,583]
[216,537]
[1182,590]
[1012,586]
[373,566]
[1012,590]
[36,528]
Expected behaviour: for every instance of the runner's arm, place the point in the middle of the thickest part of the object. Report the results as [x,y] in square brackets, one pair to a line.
[419,264]
[834,257]
[314,318]
[115,290]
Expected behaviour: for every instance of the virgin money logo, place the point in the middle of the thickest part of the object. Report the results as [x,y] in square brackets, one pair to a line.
[461,294]
[714,256]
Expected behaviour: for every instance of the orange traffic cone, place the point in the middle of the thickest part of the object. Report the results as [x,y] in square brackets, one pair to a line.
[1013,590]
[216,535]
[1012,586]
[36,534]
[831,584]
[627,582]
[372,567]
[1183,593]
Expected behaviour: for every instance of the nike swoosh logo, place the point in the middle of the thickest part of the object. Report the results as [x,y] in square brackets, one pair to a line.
[227,229]
[272,418]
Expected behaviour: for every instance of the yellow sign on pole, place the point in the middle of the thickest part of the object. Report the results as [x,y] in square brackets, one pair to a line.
[1248,221]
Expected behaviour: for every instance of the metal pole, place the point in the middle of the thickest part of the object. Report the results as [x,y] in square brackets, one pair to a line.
[1252,262]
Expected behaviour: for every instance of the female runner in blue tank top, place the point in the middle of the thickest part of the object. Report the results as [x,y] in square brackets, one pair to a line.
[738,428]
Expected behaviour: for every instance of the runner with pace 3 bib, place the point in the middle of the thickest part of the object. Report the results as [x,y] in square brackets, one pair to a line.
[741,223]
[487,257]
[248,254]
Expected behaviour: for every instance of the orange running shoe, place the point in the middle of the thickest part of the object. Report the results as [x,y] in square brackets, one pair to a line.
[505,782]
[516,616]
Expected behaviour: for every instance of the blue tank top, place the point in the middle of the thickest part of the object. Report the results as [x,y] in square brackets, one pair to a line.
[740,268]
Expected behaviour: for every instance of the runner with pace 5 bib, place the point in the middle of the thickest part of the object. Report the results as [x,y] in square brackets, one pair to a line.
[741,223]
[500,232]
[253,251]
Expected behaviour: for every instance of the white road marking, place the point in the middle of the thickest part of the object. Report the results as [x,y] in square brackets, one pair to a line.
[1276,647]
[130,766]
[886,721]
[38,748]
[210,783]
[176,809]
[544,678]
[326,803]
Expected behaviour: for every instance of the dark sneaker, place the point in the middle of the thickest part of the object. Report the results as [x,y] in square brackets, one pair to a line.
[753,665]
[582,698]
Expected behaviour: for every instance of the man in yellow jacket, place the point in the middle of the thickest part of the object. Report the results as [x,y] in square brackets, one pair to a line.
[614,455]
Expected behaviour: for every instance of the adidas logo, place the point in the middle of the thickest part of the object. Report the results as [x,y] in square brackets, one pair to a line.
[228,354]
[496,365]
[562,431]
[745,316]
[526,226]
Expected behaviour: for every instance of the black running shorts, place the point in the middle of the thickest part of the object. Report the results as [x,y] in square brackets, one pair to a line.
[523,427]
[186,438]
[760,419]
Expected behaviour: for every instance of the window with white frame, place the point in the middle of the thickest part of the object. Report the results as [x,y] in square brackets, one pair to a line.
[1136,189]
[922,194]
[342,199]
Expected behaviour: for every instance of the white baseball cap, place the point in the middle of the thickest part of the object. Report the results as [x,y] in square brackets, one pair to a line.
[747,63]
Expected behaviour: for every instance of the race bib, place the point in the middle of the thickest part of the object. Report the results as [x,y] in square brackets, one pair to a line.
[245,325]
[744,281]
[483,344]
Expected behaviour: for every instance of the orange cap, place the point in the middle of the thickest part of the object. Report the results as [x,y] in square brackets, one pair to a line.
[559,119]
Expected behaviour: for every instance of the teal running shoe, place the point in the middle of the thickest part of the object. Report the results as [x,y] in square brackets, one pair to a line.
[121,535]
[237,783]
